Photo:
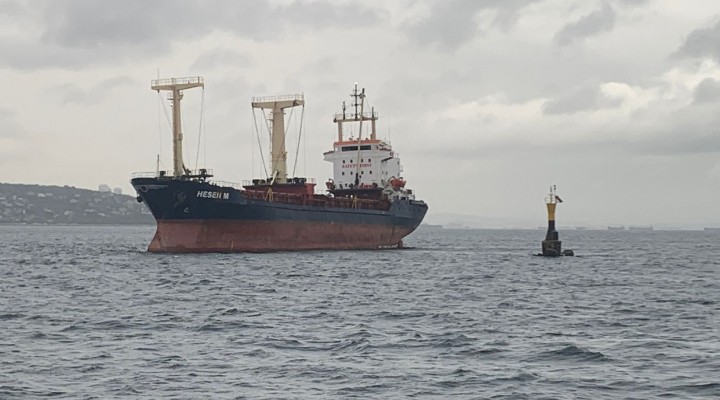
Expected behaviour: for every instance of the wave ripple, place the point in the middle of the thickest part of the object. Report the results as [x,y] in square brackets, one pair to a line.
[87,313]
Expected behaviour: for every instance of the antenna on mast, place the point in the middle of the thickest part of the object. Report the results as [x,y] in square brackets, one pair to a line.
[357,161]
[358,97]
[355,96]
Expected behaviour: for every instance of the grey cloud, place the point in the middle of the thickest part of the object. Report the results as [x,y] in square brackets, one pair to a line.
[76,33]
[632,3]
[586,98]
[473,76]
[222,57]
[10,8]
[163,20]
[30,55]
[700,43]
[450,25]
[71,93]
[682,136]
[86,32]
[9,126]
[507,11]
[690,130]
[452,22]
[321,14]
[528,71]
[602,20]
[702,142]
[707,91]
[91,24]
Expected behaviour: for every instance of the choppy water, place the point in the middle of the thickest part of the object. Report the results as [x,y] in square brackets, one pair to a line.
[86,313]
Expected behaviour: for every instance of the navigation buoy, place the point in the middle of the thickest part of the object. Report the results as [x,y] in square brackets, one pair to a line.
[552,246]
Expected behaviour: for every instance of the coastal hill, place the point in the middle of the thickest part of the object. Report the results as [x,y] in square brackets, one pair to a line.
[40,204]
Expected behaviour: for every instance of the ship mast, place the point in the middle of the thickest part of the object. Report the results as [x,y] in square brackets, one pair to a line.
[278,155]
[357,116]
[176,86]
[362,107]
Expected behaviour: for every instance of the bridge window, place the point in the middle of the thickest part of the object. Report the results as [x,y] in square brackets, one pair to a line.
[354,148]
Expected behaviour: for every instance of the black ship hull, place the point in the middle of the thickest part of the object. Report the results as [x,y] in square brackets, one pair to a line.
[197,216]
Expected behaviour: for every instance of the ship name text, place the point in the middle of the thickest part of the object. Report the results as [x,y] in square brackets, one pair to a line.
[213,195]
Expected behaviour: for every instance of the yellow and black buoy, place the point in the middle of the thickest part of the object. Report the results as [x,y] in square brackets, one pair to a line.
[552,246]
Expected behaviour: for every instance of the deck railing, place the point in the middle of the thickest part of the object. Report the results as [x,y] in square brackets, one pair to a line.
[247,182]
[190,80]
[169,174]
[352,117]
[286,97]
[233,185]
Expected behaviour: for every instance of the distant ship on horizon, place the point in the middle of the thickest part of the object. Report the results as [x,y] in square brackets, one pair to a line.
[432,226]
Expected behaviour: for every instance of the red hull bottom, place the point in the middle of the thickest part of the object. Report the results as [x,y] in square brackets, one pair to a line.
[205,236]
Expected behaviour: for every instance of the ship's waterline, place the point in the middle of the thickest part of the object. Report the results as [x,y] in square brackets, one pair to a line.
[222,236]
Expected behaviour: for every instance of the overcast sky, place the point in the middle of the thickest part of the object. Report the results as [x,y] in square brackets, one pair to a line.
[488,102]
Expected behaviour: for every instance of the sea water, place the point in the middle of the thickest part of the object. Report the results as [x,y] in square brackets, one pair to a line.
[86,313]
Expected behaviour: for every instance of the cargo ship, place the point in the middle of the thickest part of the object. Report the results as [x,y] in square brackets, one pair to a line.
[365,205]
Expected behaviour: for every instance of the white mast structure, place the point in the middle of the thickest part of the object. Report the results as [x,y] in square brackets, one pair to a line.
[176,86]
[341,118]
[278,155]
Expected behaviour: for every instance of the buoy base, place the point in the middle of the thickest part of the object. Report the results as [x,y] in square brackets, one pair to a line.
[551,248]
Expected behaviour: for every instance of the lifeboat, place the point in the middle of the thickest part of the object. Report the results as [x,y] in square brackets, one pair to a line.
[397,182]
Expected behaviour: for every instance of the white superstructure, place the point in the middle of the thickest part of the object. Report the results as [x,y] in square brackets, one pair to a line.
[374,162]
[362,163]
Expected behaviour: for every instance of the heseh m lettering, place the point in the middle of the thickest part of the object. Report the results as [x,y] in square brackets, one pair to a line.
[213,195]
